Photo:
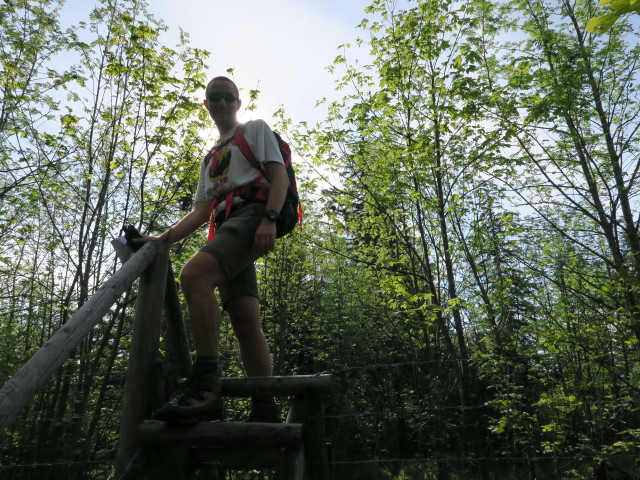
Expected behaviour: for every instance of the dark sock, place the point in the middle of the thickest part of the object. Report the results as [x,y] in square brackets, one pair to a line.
[206,364]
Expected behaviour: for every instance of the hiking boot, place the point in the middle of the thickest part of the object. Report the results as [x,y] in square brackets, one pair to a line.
[198,399]
[264,411]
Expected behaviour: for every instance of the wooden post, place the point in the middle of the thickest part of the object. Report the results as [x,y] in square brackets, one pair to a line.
[144,346]
[295,465]
[176,335]
[308,410]
[156,463]
[35,373]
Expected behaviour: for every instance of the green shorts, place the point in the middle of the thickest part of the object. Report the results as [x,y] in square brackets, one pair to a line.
[232,246]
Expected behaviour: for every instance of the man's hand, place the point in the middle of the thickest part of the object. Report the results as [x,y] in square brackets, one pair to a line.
[185,227]
[265,238]
[147,238]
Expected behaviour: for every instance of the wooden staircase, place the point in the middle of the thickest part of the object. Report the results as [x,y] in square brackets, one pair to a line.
[147,449]
[295,450]
[170,452]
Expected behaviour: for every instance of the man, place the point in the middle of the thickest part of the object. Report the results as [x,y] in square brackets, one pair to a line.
[246,231]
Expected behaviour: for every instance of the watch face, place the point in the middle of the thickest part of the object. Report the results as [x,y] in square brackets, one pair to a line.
[271,215]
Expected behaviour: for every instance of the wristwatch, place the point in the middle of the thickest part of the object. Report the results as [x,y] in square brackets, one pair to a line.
[272,215]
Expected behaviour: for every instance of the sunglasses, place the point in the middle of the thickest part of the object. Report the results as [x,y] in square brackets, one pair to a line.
[217,96]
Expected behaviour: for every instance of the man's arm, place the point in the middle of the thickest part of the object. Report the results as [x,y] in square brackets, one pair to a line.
[186,226]
[266,234]
[279,179]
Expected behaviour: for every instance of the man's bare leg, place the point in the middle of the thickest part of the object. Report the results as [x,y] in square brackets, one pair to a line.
[199,277]
[199,399]
[244,311]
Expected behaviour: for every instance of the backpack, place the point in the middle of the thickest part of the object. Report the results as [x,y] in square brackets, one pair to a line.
[291,211]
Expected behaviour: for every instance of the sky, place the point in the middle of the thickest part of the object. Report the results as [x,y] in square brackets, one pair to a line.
[281,47]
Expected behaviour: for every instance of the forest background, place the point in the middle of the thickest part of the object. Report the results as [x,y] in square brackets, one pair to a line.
[469,267]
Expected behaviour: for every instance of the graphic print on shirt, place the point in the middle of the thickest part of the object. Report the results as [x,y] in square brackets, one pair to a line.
[219,171]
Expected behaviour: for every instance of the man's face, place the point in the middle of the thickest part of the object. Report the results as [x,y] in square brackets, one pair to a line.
[222,102]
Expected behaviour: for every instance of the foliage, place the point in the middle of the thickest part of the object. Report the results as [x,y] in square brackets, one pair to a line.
[480,180]
[84,151]
[469,267]
[619,8]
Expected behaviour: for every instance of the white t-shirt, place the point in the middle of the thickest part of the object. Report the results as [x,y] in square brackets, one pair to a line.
[230,169]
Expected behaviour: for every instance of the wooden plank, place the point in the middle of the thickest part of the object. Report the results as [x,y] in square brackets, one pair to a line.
[35,373]
[292,385]
[221,434]
[136,403]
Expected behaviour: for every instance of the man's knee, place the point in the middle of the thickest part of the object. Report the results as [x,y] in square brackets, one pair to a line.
[201,271]
[188,280]
[244,313]
[243,309]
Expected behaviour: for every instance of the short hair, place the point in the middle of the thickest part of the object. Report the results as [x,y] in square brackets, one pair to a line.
[225,79]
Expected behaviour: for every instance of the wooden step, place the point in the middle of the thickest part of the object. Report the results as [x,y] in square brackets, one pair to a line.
[216,445]
[321,384]
[220,434]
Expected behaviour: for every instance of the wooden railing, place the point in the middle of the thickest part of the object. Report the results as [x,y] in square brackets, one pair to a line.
[151,449]
[35,373]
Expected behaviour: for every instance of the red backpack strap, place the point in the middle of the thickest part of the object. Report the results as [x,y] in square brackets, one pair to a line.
[244,147]
[212,227]
[241,142]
